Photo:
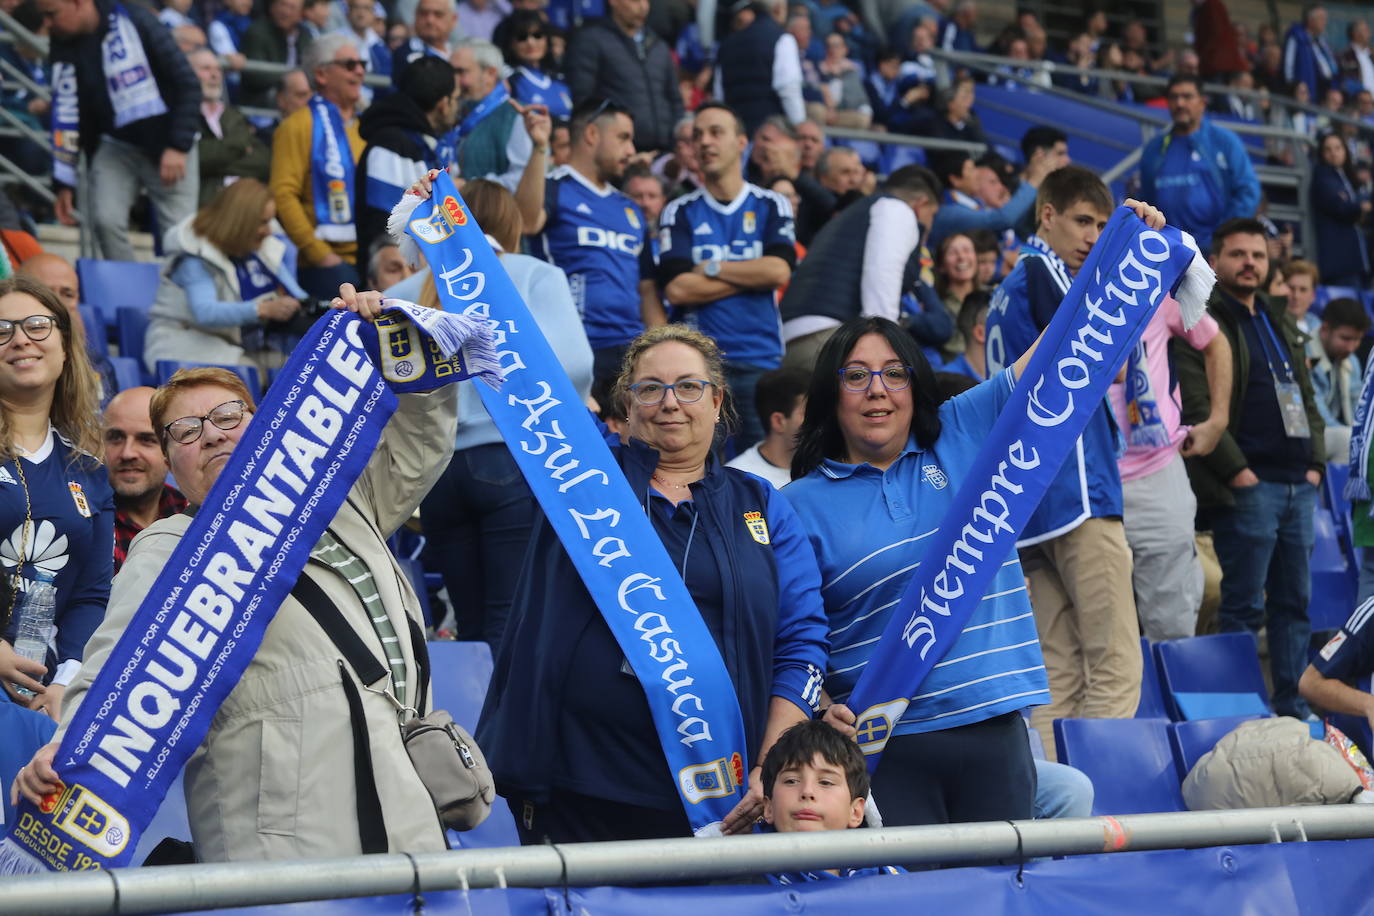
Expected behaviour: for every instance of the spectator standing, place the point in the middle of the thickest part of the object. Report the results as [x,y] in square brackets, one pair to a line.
[314,156]
[490,139]
[138,126]
[528,52]
[1257,489]
[229,148]
[758,66]
[1197,172]
[226,275]
[433,24]
[1357,61]
[137,468]
[1157,501]
[480,17]
[780,399]
[1340,207]
[861,264]
[276,38]
[402,132]
[725,249]
[1307,57]
[596,234]
[1336,375]
[618,58]
[1073,549]
[56,503]
[956,277]
[361,27]
[957,31]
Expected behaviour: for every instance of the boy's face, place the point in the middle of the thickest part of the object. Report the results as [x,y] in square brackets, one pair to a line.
[810,797]
[1072,232]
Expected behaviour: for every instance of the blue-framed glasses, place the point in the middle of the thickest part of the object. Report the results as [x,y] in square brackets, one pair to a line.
[858,378]
[687,391]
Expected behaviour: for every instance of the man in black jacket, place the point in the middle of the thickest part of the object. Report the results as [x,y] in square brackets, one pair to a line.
[402,131]
[276,38]
[123,94]
[618,58]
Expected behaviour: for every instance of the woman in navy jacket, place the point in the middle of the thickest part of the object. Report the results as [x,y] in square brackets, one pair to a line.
[1338,211]
[566,726]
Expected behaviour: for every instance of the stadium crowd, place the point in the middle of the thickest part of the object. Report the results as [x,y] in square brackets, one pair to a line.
[731,289]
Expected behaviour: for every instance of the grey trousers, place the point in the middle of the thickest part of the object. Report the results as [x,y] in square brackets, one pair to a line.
[1167,575]
[118,172]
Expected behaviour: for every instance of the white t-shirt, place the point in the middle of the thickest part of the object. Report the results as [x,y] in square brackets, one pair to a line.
[750,460]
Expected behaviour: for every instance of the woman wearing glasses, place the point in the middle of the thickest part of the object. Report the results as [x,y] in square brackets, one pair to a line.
[274,777]
[566,726]
[877,441]
[56,505]
[528,49]
[225,282]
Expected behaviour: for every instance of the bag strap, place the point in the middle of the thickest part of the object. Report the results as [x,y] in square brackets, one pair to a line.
[420,648]
[346,639]
[371,825]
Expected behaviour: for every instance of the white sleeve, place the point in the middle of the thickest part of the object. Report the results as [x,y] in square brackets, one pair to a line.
[787,77]
[518,149]
[892,237]
[221,42]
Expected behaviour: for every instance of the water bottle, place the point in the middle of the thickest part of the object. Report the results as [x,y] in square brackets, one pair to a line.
[35,613]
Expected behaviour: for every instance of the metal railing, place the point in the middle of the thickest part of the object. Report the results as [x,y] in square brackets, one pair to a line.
[195,887]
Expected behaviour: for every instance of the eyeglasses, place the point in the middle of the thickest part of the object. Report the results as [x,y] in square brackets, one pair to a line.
[687,391]
[526,36]
[859,378]
[350,64]
[188,429]
[36,327]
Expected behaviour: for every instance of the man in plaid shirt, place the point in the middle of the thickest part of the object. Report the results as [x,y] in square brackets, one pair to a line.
[137,469]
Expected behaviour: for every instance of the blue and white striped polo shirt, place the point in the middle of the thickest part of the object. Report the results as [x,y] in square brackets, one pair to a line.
[868,528]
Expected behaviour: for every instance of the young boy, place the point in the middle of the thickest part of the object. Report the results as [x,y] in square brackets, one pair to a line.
[815,779]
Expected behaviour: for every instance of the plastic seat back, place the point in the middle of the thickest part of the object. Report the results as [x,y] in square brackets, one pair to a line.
[1190,740]
[93,322]
[1128,760]
[128,373]
[131,327]
[1225,665]
[1151,696]
[110,285]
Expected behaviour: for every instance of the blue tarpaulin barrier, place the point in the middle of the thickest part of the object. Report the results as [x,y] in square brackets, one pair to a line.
[1309,878]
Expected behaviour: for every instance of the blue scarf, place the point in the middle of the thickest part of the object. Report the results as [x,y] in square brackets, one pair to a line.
[586,498]
[1130,270]
[1357,486]
[331,173]
[1142,409]
[447,150]
[196,631]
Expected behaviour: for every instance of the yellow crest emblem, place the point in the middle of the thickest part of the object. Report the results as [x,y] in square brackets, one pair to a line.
[757,525]
[630,215]
[749,221]
[79,497]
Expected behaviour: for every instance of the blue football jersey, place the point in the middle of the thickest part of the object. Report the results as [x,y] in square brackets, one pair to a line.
[600,240]
[695,228]
[530,87]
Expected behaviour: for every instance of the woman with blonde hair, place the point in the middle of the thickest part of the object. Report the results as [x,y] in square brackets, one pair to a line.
[56,505]
[477,518]
[225,282]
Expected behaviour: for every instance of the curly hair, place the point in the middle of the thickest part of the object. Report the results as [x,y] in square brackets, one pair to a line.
[75,410]
[679,333]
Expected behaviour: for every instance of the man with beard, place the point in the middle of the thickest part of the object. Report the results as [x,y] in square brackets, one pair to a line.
[137,469]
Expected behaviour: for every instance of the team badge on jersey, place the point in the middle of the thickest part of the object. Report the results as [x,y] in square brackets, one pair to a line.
[79,497]
[758,526]
[749,222]
[630,215]
[935,476]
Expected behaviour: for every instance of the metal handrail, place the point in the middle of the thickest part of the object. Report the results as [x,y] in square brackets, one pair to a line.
[935,143]
[195,887]
[23,79]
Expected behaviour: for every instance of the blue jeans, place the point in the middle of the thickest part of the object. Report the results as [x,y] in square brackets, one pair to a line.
[742,380]
[1061,791]
[1264,544]
[477,520]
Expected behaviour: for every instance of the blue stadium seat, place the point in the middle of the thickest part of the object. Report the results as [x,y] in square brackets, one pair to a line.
[94,324]
[108,285]
[131,327]
[1128,760]
[1151,696]
[1211,676]
[416,574]
[128,373]
[1190,740]
[166,368]
[1333,571]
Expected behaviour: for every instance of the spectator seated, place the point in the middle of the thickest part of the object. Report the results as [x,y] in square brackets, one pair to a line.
[1128,760]
[109,285]
[1209,676]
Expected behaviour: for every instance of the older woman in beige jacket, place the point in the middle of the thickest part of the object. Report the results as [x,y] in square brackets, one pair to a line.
[274,777]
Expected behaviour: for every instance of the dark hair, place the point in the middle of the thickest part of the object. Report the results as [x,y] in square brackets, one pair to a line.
[1065,187]
[984,240]
[913,181]
[1345,313]
[717,104]
[1241,225]
[427,82]
[799,745]
[777,391]
[590,111]
[1040,137]
[518,23]
[973,312]
[820,435]
[952,384]
[640,170]
[949,163]
[1179,78]
[1349,168]
[887,52]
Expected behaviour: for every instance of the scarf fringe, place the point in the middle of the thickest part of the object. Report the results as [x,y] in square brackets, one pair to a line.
[1196,286]
[1153,436]
[15,861]
[457,334]
[396,228]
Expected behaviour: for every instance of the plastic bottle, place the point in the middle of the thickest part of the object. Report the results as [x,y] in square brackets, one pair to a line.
[35,612]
